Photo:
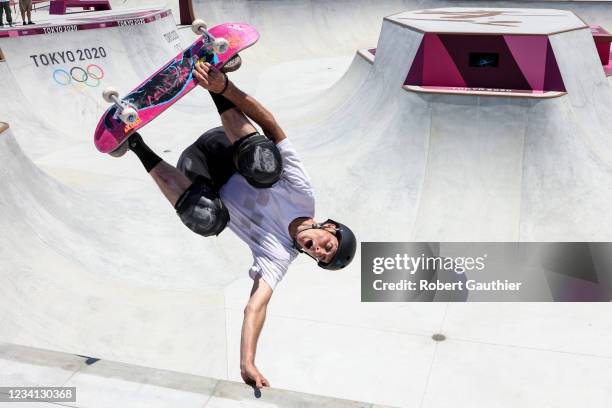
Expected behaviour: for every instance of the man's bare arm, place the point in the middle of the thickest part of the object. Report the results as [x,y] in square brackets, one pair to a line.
[254,318]
[212,79]
[255,110]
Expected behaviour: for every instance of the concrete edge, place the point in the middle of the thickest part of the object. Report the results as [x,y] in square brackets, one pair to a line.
[547,95]
[222,389]
[366,55]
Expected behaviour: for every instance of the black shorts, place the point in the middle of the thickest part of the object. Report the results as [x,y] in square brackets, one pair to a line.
[210,160]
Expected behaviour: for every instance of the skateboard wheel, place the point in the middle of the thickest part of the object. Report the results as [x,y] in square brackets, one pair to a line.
[108,94]
[220,45]
[119,151]
[129,115]
[198,25]
[232,65]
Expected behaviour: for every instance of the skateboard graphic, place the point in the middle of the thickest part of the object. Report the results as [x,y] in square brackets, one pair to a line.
[161,90]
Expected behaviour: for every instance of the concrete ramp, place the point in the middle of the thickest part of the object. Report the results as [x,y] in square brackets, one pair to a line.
[71,68]
[95,262]
[313,29]
[512,168]
[105,383]
[77,283]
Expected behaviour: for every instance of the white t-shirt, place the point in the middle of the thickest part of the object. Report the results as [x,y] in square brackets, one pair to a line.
[261,216]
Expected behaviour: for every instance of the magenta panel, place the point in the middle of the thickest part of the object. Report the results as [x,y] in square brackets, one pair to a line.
[415,75]
[438,65]
[506,63]
[603,49]
[552,79]
[603,40]
[529,52]
[506,74]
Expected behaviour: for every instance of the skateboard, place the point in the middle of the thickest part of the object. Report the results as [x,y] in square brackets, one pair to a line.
[217,46]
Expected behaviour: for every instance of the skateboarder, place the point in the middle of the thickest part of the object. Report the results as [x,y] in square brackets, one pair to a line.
[5,7]
[25,7]
[256,186]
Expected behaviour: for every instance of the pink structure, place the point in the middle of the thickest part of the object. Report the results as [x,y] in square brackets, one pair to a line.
[513,62]
[60,6]
[493,51]
[603,39]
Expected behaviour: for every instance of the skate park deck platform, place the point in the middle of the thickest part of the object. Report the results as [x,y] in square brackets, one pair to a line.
[95,263]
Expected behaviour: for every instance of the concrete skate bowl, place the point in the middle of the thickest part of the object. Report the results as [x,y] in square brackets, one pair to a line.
[77,264]
[545,155]
[85,231]
[495,187]
[103,268]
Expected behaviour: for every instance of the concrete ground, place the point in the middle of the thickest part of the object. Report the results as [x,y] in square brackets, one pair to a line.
[105,384]
[94,262]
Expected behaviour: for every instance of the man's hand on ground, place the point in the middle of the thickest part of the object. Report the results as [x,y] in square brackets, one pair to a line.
[209,77]
[251,376]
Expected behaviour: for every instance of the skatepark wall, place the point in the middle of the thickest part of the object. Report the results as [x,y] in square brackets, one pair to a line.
[510,156]
[293,30]
[15,109]
[57,252]
[111,276]
[74,66]
[98,264]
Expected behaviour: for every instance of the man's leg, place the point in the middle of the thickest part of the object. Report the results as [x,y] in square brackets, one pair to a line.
[170,181]
[9,16]
[197,205]
[2,7]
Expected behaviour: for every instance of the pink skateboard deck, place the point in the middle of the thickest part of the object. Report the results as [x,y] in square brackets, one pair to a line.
[166,86]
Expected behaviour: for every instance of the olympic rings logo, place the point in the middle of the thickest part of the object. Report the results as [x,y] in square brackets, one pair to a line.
[91,76]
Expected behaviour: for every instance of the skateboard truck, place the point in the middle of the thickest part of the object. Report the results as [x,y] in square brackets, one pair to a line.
[219,45]
[127,114]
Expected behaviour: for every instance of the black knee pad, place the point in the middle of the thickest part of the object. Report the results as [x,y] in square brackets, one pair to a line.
[202,210]
[258,160]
